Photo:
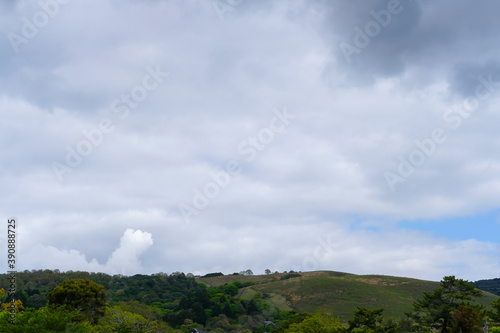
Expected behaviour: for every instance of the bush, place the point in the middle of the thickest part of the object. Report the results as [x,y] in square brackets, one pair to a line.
[212,275]
[290,276]
[86,296]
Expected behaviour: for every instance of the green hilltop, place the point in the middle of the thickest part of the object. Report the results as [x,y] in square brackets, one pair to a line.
[340,292]
[178,303]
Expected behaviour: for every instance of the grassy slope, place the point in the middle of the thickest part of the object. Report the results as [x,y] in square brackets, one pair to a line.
[340,292]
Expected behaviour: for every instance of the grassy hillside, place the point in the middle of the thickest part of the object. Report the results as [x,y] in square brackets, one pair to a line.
[340,292]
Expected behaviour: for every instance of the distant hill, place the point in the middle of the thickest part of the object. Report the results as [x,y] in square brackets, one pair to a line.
[340,292]
[492,285]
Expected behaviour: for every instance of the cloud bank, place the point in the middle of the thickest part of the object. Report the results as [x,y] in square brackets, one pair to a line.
[163,116]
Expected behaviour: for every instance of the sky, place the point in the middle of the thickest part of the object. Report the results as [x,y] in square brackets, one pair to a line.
[201,136]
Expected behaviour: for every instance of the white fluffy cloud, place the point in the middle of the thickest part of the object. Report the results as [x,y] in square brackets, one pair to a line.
[124,260]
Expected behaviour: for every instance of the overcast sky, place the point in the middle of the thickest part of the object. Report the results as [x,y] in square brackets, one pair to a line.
[204,136]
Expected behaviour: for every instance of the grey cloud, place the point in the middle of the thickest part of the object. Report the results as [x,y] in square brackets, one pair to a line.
[466,77]
[323,172]
[421,35]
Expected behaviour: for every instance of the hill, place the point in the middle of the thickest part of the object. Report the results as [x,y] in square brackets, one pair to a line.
[237,301]
[491,285]
[340,292]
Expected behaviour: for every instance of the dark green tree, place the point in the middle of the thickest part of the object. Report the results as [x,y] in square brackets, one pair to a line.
[468,319]
[85,296]
[321,322]
[438,309]
[495,314]
[292,317]
[252,307]
[366,320]
[45,319]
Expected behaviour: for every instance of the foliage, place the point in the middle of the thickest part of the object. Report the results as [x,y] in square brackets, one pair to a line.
[240,303]
[468,318]
[440,309]
[205,306]
[17,304]
[309,325]
[213,275]
[117,319]
[46,319]
[321,322]
[293,317]
[60,319]
[85,296]
[290,276]
[368,321]
[492,285]
[160,289]
[494,329]
[495,314]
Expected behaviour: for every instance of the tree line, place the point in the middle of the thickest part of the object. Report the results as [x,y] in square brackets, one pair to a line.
[177,303]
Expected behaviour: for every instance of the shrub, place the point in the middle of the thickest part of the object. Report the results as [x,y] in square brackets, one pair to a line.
[290,276]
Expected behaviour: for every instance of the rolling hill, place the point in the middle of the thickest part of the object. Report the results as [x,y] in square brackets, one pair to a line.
[336,291]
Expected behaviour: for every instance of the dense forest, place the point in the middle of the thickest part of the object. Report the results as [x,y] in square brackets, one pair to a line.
[492,285]
[53,301]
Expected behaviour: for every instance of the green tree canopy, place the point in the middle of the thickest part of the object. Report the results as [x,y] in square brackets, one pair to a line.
[370,321]
[321,322]
[468,318]
[45,319]
[85,296]
[495,314]
[441,310]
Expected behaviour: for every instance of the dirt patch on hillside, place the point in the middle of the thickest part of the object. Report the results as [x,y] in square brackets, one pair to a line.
[381,282]
[374,281]
[316,273]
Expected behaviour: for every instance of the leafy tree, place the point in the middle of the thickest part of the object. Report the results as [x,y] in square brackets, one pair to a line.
[83,295]
[468,318]
[495,314]
[293,317]
[267,271]
[18,306]
[45,319]
[229,289]
[439,310]
[212,275]
[252,307]
[290,276]
[222,322]
[320,322]
[309,325]
[368,321]
[36,301]
[117,319]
